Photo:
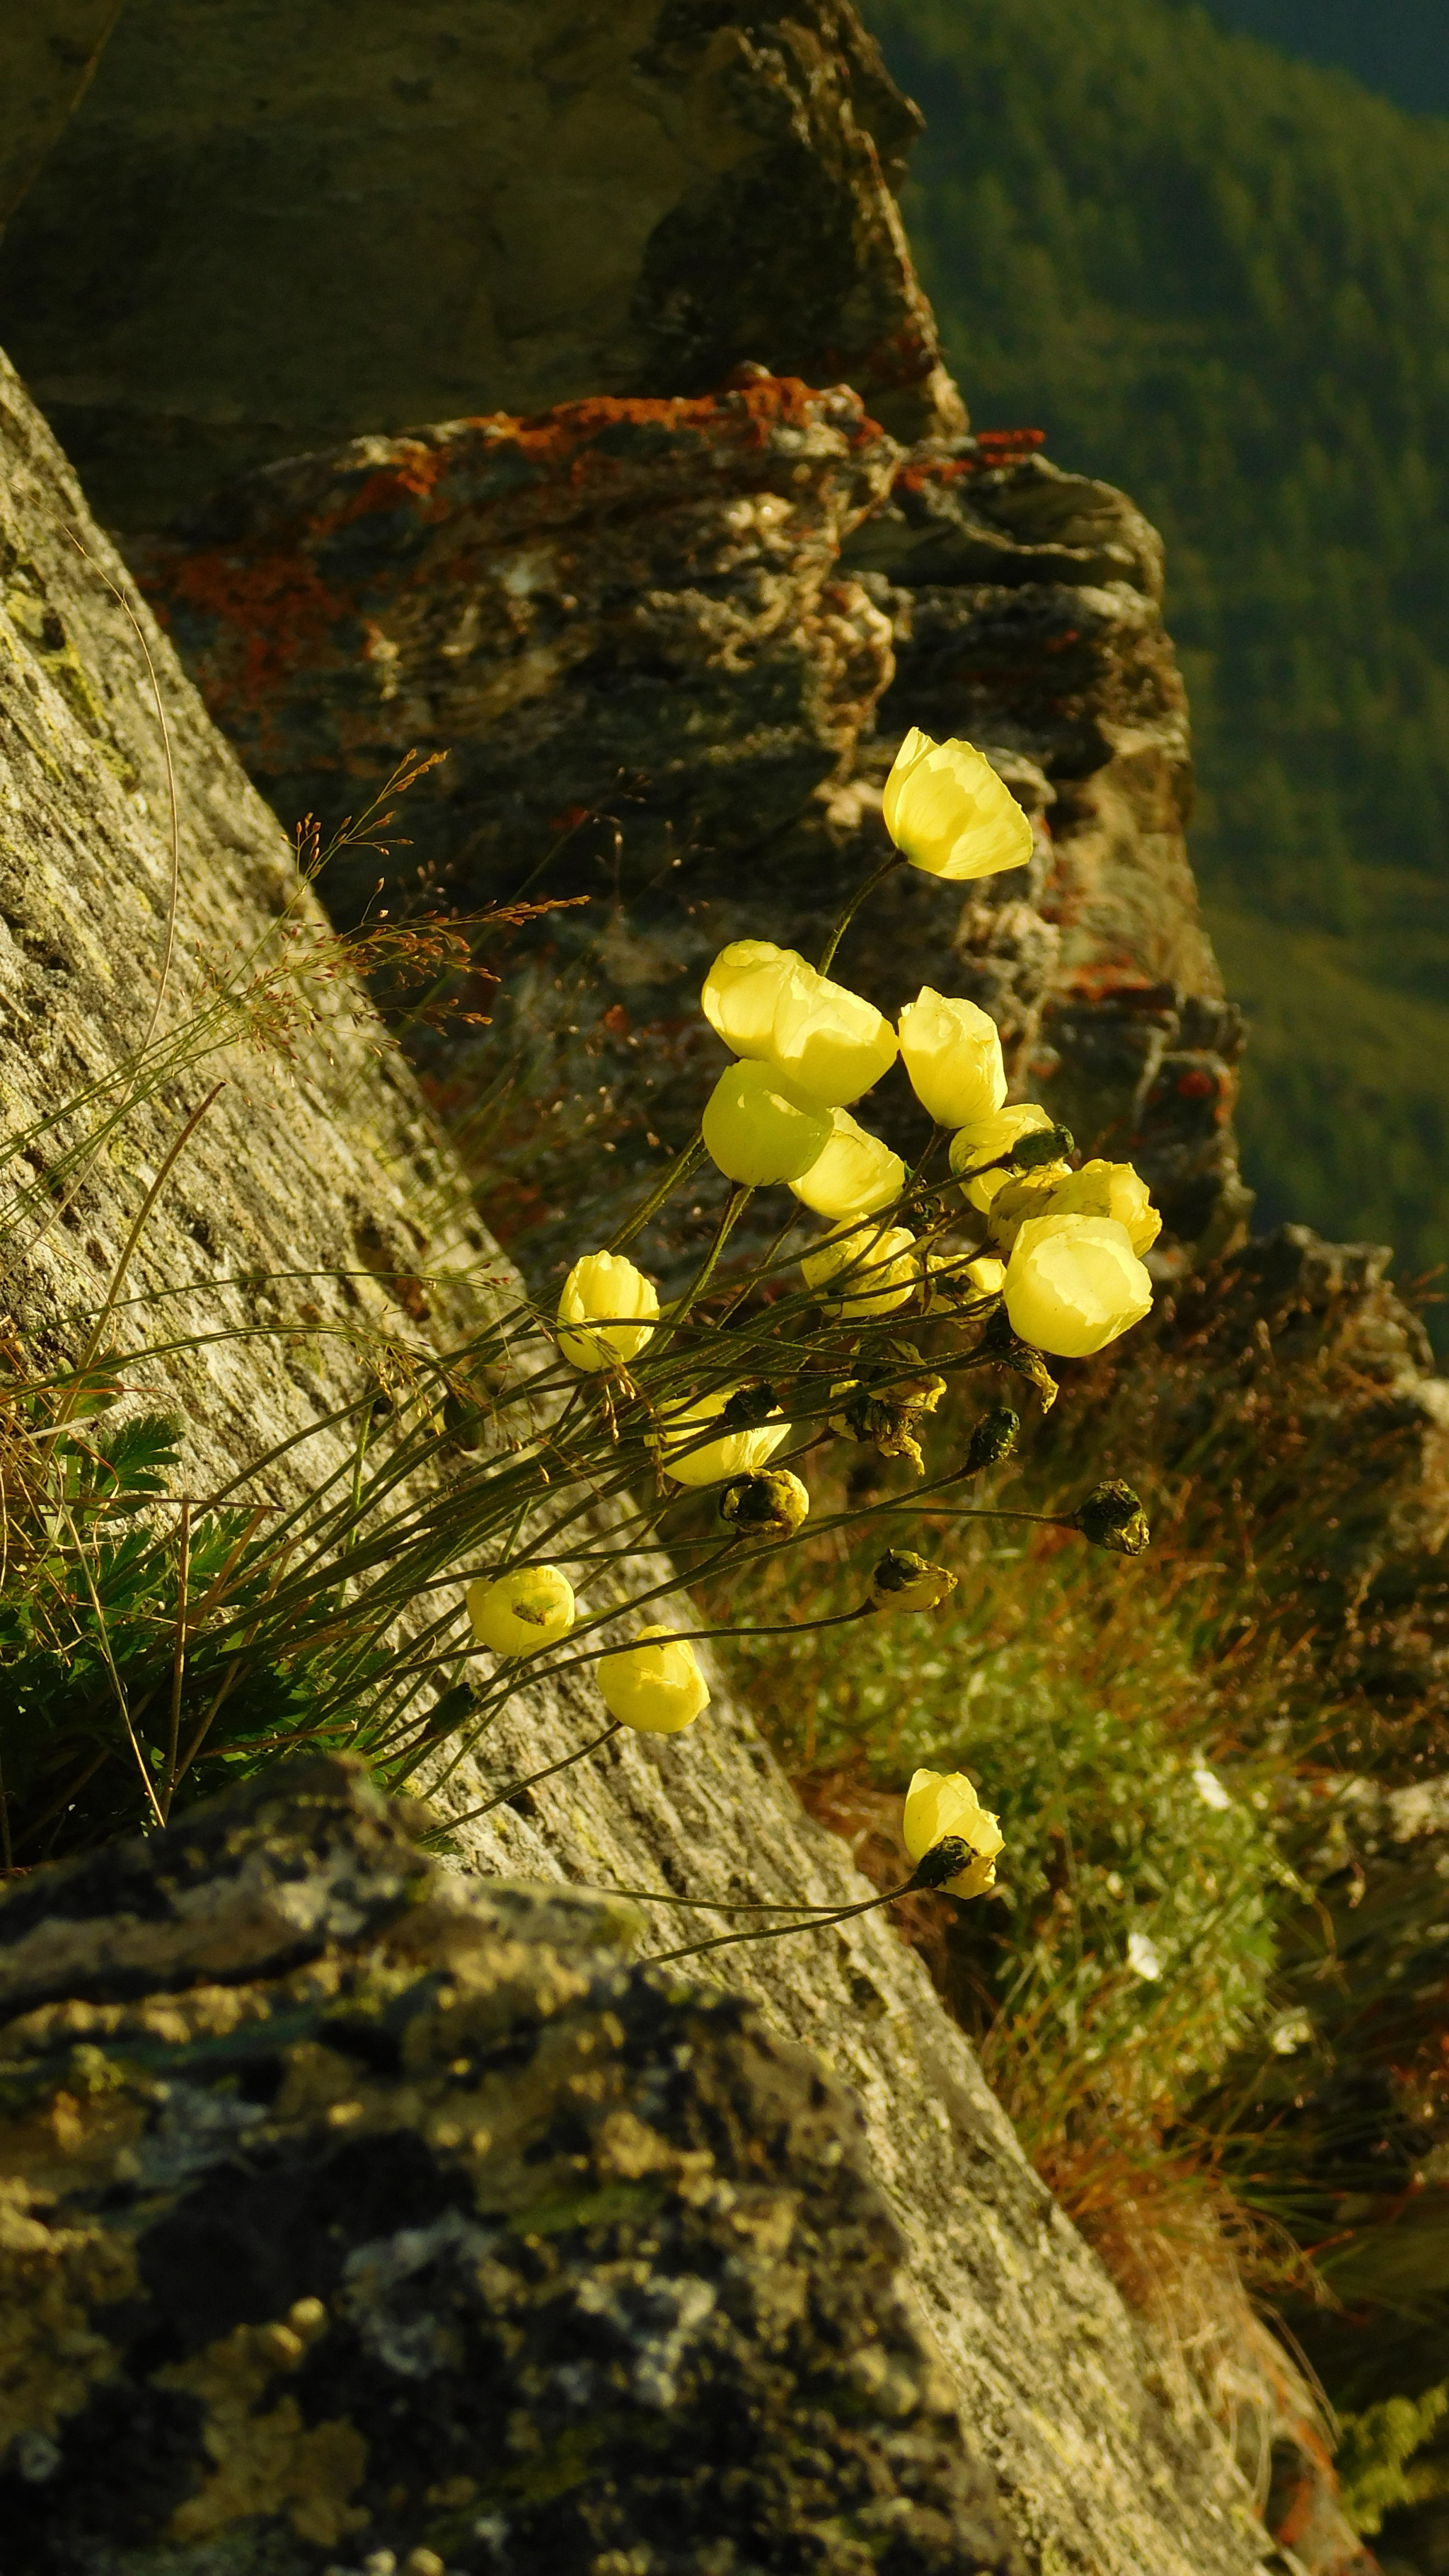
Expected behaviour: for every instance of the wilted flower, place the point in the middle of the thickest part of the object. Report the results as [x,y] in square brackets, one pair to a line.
[742,990]
[739,1452]
[1115,1190]
[878,1269]
[614,1304]
[1143,1957]
[1022,1195]
[993,1438]
[952,1053]
[516,1613]
[655,1684]
[985,1140]
[889,1415]
[905,1581]
[829,1040]
[1073,1283]
[772,1505]
[1113,1517]
[942,1806]
[948,812]
[761,1128]
[855,1176]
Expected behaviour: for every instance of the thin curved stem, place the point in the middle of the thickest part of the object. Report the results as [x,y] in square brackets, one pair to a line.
[877,876]
[779,1931]
[685,1162]
[549,1768]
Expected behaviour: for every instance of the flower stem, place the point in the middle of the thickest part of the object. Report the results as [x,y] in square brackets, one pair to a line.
[534,1777]
[685,1162]
[739,1199]
[875,878]
[778,1931]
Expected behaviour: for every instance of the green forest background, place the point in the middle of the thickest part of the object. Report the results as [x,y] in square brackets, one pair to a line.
[1220,278]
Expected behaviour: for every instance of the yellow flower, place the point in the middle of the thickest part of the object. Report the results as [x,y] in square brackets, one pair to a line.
[905,1581]
[829,1040]
[688,1459]
[942,1806]
[774,1505]
[615,1302]
[984,1139]
[855,1176]
[742,989]
[881,1270]
[952,1052]
[948,812]
[955,1283]
[1111,1189]
[1023,1195]
[1073,1283]
[657,1687]
[517,1613]
[761,1128]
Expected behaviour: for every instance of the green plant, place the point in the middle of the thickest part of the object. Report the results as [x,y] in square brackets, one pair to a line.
[1375,2452]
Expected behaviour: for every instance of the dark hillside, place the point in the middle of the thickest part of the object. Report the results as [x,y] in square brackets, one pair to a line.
[1401,47]
[1222,280]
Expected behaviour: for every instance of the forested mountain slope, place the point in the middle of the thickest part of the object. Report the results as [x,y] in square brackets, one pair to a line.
[1400,47]
[1221,279]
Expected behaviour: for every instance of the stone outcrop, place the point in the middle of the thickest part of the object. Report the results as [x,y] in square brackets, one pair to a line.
[456,210]
[48,54]
[1101,2467]
[358,2214]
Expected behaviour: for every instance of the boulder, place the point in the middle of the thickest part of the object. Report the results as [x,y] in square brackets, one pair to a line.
[326,228]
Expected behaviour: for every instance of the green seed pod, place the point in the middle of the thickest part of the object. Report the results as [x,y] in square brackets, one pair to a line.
[1041,1145]
[994,1438]
[749,1407]
[1112,1516]
[770,1505]
[949,1858]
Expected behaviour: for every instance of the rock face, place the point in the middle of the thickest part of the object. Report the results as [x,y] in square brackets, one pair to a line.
[1102,2468]
[460,209]
[47,56]
[353,2207]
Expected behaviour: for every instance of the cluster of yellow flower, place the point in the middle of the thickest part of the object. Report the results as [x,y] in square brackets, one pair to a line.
[1062,1253]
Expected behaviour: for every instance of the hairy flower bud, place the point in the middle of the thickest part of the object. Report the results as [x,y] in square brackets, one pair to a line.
[904,1581]
[948,812]
[1073,1284]
[1115,1190]
[878,1269]
[688,1457]
[952,1052]
[516,1613]
[749,1406]
[942,1809]
[988,1140]
[773,1505]
[760,1128]
[742,991]
[829,1040]
[993,1438]
[655,1684]
[1112,1516]
[606,1312]
[855,1176]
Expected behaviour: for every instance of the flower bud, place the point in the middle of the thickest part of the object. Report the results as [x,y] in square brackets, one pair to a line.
[948,812]
[878,1268]
[942,1808]
[1112,1516]
[952,1053]
[770,1506]
[1074,1283]
[956,1282]
[688,1458]
[655,1684]
[994,1438]
[761,1128]
[1023,1195]
[742,990]
[830,1041]
[905,1581]
[987,1140]
[749,1406]
[614,1302]
[855,1176]
[516,1613]
[1115,1190]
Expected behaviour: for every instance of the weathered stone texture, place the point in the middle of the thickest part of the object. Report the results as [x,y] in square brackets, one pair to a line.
[353,2207]
[48,54]
[1099,2472]
[342,219]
